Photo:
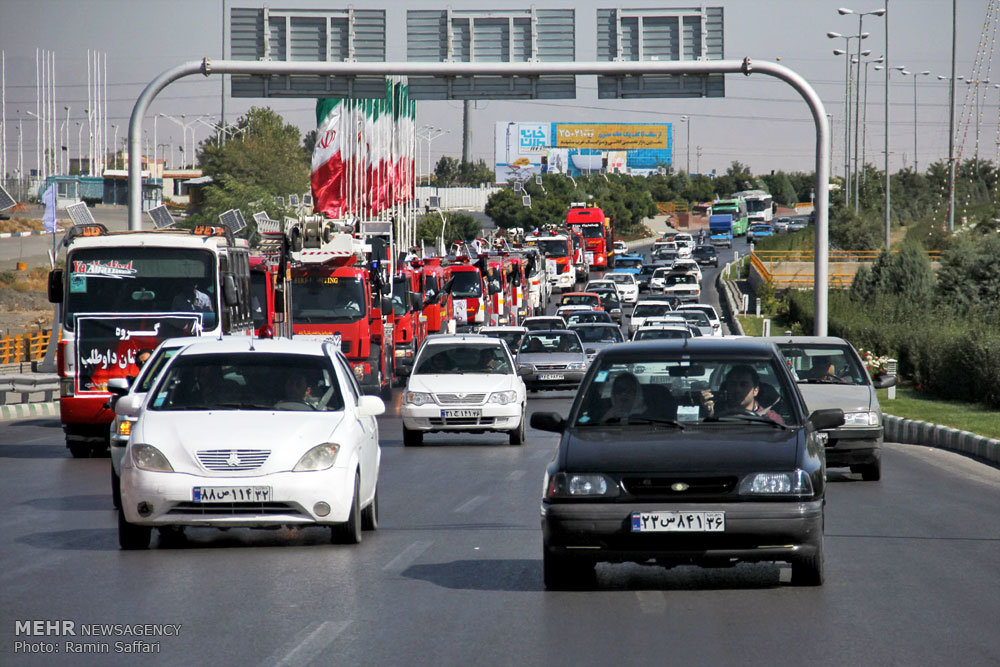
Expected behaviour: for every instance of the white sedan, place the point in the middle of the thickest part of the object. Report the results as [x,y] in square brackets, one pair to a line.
[251,433]
[626,284]
[464,383]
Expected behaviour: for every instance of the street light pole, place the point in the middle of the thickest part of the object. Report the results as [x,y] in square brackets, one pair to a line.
[687,121]
[846,52]
[114,147]
[79,148]
[864,121]
[66,123]
[857,123]
[951,123]
[916,164]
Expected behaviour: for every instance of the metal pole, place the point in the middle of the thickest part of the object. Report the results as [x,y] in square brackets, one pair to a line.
[857,109]
[222,82]
[466,132]
[887,68]
[916,167]
[38,116]
[864,126]
[951,122]
[847,122]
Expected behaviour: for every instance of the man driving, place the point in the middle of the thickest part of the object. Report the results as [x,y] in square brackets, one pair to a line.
[738,395]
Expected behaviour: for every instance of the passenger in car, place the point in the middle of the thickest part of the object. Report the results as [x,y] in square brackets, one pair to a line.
[626,400]
[738,395]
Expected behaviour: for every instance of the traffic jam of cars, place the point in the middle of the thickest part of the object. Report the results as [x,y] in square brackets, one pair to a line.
[681,445]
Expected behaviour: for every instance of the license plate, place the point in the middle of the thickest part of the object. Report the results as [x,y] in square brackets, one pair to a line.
[551,376]
[457,414]
[231,494]
[590,257]
[678,522]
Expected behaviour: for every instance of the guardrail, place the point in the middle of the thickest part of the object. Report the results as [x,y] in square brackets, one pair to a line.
[835,255]
[24,347]
[24,388]
[797,279]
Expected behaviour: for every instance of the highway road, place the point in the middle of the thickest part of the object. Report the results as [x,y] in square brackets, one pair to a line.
[454,574]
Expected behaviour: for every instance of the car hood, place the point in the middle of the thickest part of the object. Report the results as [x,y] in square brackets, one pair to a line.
[847,397]
[286,434]
[466,383]
[551,357]
[730,448]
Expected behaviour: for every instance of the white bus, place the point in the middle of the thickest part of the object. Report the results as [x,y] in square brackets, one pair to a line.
[759,205]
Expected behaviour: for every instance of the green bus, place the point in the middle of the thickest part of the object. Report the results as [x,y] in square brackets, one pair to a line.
[736,208]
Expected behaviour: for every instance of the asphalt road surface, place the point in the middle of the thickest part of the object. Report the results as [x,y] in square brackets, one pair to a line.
[453,576]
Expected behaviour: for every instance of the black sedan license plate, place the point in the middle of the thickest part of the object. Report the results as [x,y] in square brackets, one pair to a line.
[678,522]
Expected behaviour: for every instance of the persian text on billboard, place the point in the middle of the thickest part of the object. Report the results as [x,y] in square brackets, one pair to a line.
[611,136]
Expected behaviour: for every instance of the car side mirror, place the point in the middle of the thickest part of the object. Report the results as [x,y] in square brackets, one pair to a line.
[524,370]
[548,421]
[55,287]
[370,406]
[590,350]
[884,381]
[119,386]
[279,302]
[828,418]
[495,287]
[386,306]
[129,406]
[229,290]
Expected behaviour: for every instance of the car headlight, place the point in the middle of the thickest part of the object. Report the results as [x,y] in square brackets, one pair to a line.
[147,457]
[417,398]
[860,419]
[572,485]
[503,397]
[319,457]
[795,483]
[577,366]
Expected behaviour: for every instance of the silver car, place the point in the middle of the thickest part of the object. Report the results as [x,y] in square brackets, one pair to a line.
[556,359]
[596,337]
[830,374]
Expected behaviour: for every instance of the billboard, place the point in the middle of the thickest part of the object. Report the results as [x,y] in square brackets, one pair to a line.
[523,149]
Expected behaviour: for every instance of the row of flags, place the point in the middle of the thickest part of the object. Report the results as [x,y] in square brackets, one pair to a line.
[363,163]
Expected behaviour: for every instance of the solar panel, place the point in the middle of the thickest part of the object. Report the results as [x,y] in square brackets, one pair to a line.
[307,199]
[229,220]
[293,200]
[266,225]
[280,201]
[526,200]
[80,214]
[6,201]
[161,217]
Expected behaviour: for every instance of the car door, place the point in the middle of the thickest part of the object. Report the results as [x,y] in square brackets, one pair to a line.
[365,429]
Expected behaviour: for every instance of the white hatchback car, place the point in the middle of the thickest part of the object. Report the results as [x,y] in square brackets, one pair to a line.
[251,433]
[464,383]
[627,285]
[687,266]
[710,313]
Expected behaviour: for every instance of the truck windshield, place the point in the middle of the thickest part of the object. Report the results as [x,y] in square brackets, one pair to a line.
[141,280]
[400,291]
[258,298]
[466,285]
[757,205]
[553,248]
[319,299]
[592,231]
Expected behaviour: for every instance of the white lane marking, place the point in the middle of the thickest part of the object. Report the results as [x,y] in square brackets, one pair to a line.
[515,475]
[471,504]
[408,555]
[651,602]
[307,649]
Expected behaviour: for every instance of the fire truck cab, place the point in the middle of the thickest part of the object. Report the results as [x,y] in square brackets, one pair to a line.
[558,252]
[410,323]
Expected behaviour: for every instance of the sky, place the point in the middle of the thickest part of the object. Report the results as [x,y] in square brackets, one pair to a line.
[761,121]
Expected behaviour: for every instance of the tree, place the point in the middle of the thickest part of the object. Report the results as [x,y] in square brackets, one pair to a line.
[229,193]
[906,274]
[267,153]
[458,226]
[969,276]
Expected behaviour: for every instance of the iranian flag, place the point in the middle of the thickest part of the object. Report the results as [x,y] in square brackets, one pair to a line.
[328,184]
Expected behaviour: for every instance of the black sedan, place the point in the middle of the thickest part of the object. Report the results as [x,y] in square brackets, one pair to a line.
[685,452]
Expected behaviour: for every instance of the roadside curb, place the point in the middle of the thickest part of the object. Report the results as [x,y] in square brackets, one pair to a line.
[28,410]
[916,432]
[726,301]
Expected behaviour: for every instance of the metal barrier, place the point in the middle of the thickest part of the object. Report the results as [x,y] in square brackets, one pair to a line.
[835,255]
[26,347]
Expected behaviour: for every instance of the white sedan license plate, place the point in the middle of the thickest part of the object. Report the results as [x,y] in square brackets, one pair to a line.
[231,494]
[551,376]
[678,522]
[459,414]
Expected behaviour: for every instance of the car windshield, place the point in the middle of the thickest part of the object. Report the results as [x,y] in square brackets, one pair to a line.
[466,285]
[542,324]
[553,247]
[666,387]
[609,299]
[141,280]
[627,263]
[325,299]
[579,300]
[622,278]
[598,334]
[258,297]
[823,364]
[551,342]
[463,359]
[662,334]
[695,317]
[249,381]
[680,279]
[704,250]
[588,316]
[650,310]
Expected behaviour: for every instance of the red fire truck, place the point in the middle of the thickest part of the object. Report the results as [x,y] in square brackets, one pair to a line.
[269,298]
[597,231]
[472,306]
[121,294]
[338,290]
[438,308]
[410,323]
[558,252]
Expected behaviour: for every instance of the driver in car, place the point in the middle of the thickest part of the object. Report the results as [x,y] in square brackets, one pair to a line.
[738,395]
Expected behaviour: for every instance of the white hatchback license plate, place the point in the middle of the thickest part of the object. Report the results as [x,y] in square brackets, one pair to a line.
[231,494]
[459,414]
[678,522]
[551,376]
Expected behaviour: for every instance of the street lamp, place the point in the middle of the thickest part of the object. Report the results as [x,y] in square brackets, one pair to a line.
[429,134]
[38,135]
[687,121]
[904,72]
[847,101]
[79,148]
[857,123]
[864,117]
[114,146]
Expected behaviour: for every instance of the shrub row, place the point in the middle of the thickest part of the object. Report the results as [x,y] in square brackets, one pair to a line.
[948,355]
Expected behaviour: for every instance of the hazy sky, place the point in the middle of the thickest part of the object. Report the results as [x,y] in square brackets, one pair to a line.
[761,121]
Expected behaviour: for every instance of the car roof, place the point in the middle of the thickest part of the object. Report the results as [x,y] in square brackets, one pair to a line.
[537,318]
[503,329]
[436,339]
[592,324]
[806,340]
[654,302]
[744,348]
[238,344]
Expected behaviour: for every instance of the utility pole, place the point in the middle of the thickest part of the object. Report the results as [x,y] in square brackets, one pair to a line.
[951,123]
[466,132]
[222,80]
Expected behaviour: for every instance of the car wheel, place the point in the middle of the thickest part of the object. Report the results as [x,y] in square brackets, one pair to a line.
[349,532]
[517,435]
[171,536]
[131,536]
[80,450]
[369,515]
[564,574]
[116,489]
[870,472]
[412,438]
[808,571]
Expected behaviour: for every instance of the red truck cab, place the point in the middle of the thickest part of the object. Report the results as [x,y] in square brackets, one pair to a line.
[410,325]
[470,297]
